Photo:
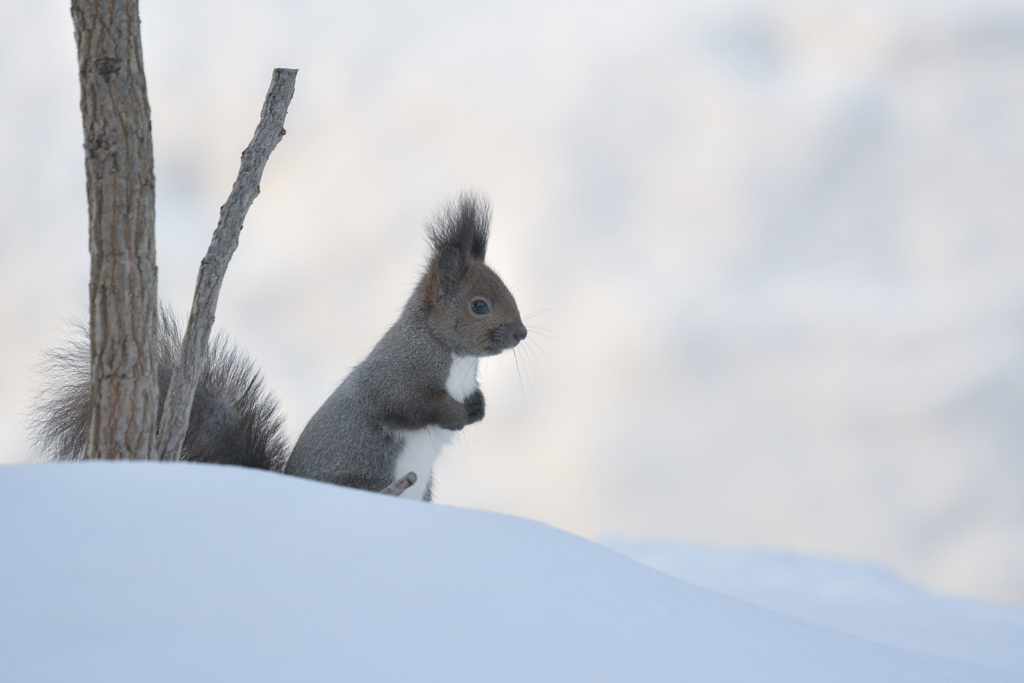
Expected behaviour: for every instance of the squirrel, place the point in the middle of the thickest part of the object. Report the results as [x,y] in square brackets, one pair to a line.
[391,416]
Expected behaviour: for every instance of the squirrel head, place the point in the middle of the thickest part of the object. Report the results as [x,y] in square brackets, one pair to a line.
[467,305]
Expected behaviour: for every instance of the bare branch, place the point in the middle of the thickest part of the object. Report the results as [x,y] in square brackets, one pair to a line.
[398,488]
[182,388]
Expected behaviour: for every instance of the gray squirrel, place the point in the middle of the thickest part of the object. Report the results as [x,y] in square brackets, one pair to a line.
[393,413]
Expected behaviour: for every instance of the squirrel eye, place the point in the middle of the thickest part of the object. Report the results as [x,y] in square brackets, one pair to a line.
[480,307]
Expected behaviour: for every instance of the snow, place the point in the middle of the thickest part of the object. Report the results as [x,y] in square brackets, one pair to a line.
[861,600]
[172,572]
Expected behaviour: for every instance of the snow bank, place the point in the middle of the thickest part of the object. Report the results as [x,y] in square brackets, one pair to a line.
[861,600]
[156,572]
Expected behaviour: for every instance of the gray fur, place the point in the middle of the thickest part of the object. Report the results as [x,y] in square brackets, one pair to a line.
[352,440]
[234,421]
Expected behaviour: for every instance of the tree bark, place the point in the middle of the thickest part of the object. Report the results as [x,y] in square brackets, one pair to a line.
[185,377]
[120,186]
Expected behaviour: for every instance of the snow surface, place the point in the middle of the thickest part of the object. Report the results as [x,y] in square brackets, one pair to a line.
[158,572]
[862,600]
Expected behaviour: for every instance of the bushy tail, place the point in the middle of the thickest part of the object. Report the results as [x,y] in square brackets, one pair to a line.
[234,420]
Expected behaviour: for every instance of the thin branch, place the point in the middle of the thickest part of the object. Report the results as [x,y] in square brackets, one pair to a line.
[398,488]
[182,388]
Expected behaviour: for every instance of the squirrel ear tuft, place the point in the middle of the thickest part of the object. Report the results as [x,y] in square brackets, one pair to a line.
[463,224]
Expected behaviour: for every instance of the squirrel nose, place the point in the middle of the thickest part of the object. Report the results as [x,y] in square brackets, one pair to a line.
[519,332]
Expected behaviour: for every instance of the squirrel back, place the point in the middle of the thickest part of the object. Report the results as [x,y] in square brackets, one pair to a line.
[234,420]
[417,387]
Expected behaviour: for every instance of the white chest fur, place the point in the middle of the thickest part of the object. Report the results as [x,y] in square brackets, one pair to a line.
[422,446]
[462,377]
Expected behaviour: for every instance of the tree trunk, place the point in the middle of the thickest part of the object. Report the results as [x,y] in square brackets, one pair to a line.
[120,185]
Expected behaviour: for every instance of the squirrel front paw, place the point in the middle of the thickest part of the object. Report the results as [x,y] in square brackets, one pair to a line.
[474,407]
[455,415]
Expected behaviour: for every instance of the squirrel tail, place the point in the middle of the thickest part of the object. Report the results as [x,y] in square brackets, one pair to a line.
[234,419]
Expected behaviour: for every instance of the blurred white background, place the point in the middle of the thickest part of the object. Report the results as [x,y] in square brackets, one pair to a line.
[772,253]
